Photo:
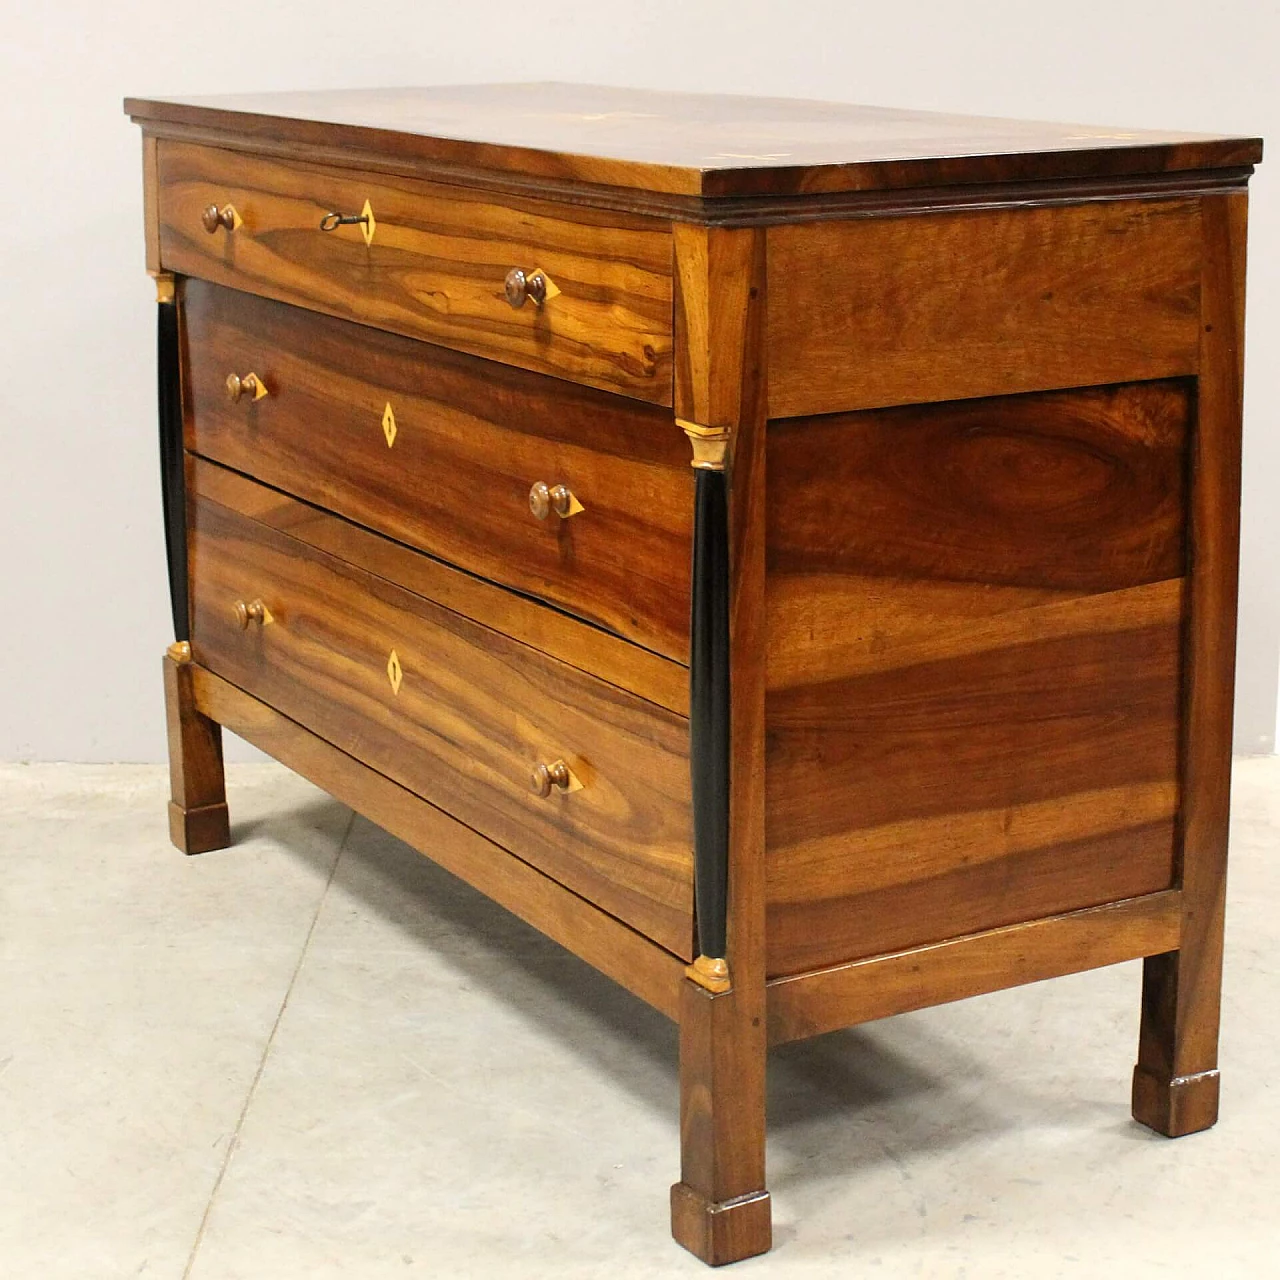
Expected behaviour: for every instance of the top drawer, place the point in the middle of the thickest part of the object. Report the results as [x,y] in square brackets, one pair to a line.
[435,264]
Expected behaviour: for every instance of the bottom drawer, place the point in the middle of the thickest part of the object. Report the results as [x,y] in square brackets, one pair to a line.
[458,713]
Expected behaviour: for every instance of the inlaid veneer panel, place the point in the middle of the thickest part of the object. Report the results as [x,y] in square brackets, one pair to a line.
[1079,491]
[870,312]
[974,639]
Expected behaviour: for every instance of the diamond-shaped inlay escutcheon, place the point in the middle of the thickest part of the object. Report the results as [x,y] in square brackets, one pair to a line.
[389,424]
[395,673]
[367,225]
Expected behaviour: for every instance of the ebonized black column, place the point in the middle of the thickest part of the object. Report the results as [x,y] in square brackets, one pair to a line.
[709,709]
[173,486]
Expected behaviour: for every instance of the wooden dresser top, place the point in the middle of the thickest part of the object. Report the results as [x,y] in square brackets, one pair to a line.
[684,144]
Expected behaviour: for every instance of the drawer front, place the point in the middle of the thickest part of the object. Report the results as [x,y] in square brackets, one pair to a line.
[457,713]
[441,450]
[436,263]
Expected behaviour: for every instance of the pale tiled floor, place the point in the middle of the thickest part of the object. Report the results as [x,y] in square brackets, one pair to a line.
[316,1055]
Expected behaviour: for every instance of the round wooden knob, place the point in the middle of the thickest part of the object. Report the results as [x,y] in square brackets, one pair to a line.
[238,386]
[213,218]
[544,499]
[253,611]
[545,776]
[519,286]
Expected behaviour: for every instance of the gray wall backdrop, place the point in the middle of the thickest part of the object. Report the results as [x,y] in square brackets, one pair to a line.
[83,581]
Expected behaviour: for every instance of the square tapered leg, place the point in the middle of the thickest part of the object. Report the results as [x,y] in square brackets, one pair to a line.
[198,820]
[720,1210]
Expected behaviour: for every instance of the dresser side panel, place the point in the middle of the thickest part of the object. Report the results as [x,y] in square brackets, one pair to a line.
[878,311]
[974,657]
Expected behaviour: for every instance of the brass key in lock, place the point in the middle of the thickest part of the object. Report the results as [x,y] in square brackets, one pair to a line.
[364,220]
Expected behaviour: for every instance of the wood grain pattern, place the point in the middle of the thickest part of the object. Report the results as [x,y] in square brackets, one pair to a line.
[872,312]
[982,889]
[764,208]
[720,1208]
[924,851]
[1077,490]
[471,438]
[973,716]
[809,1004]
[716,288]
[1175,1081]
[198,818]
[588,648]
[747,476]
[436,266]
[963,745]
[473,714]
[609,945]
[832,626]
[151,203]
[708,144]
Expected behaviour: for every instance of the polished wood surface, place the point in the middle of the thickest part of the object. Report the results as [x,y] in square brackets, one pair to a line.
[630,959]
[962,399]
[198,818]
[720,1209]
[471,439]
[151,203]
[583,646]
[974,639]
[809,1004]
[1175,1089]
[437,265]
[695,144]
[946,306]
[1076,492]
[715,279]
[470,715]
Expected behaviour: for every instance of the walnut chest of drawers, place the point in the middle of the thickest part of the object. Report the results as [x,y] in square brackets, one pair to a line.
[785,552]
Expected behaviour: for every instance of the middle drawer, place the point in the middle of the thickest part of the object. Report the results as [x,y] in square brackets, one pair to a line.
[441,451]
